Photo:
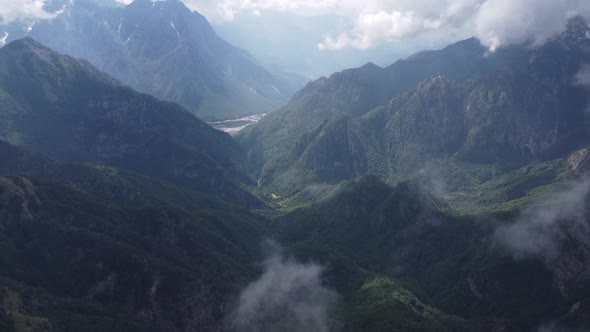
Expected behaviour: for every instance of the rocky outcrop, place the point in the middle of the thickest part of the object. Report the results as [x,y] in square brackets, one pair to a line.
[579,161]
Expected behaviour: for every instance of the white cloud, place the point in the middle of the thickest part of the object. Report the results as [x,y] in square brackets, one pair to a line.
[374,28]
[11,10]
[540,230]
[496,22]
[583,76]
[504,22]
[374,22]
[288,296]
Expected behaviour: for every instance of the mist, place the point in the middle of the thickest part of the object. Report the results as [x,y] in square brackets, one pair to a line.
[539,229]
[583,76]
[289,296]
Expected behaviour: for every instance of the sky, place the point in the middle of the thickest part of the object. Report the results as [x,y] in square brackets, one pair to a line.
[11,10]
[318,37]
[375,22]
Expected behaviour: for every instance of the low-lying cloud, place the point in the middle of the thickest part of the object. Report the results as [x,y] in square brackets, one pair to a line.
[540,229]
[11,10]
[496,23]
[289,296]
[583,76]
[505,22]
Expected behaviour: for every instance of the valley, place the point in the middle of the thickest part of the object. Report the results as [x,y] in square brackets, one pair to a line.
[154,177]
[233,127]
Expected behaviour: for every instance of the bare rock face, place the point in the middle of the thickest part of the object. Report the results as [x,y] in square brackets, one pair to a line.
[579,161]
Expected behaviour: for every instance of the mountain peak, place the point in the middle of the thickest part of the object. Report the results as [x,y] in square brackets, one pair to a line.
[577,29]
[30,49]
[26,42]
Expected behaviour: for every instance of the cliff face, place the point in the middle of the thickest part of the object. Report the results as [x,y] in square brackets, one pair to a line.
[515,107]
[580,161]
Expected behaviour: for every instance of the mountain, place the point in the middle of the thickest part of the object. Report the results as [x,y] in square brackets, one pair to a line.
[97,247]
[355,92]
[447,192]
[454,263]
[69,111]
[164,49]
[75,260]
[91,247]
[458,116]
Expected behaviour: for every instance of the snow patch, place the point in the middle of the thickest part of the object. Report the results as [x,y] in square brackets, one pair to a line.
[30,27]
[173,27]
[3,39]
[254,90]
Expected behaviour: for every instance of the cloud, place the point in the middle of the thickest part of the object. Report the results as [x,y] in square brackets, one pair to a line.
[374,22]
[505,22]
[374,28]
[226,10]
[289,296]
[539,229]
[583,76]
[11,10]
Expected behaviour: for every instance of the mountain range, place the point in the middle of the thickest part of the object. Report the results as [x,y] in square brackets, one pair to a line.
[446,192]
[70,111]
[164,49]
[459,116]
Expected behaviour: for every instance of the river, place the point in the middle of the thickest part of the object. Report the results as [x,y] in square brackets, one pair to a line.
[234,126]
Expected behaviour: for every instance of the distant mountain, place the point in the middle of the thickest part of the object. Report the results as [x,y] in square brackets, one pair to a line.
[437,114]
[300,52]
[76,258]
[355,92]
[164,49]
[447,192]
[65,109]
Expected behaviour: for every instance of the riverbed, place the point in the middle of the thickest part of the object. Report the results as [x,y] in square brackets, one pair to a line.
[234,126]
